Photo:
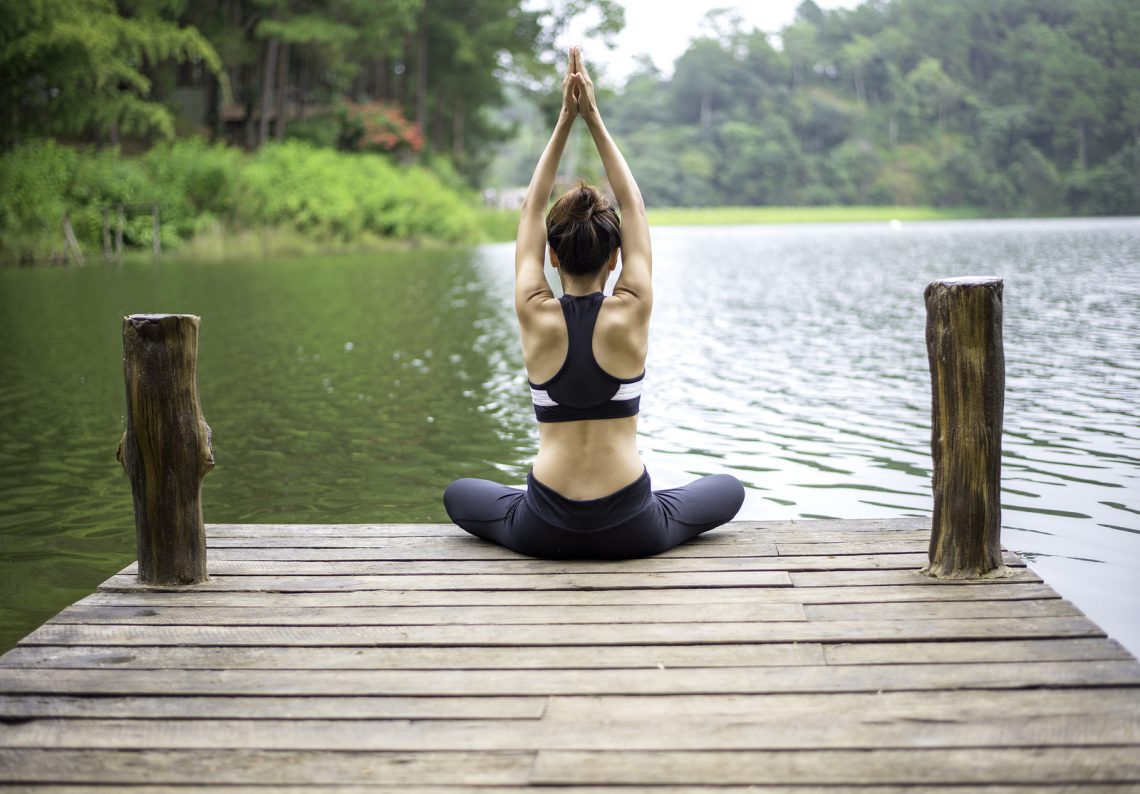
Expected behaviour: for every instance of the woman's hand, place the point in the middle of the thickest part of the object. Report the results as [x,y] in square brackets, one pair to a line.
[570,88]
[583,87]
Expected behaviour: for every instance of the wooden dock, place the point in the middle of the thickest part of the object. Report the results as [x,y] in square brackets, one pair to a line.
[791,656]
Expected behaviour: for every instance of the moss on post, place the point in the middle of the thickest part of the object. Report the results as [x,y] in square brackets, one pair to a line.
[166,449]
[967,370]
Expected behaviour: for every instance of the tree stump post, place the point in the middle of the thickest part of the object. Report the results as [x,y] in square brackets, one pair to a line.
[967,370]
[166,450]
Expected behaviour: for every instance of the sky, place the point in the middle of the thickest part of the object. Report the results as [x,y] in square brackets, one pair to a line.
[663,28]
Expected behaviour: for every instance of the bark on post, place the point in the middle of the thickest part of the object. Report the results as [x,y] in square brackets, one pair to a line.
[967,370]
[166,449]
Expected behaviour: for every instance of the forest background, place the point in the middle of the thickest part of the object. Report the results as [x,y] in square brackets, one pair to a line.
[341,123]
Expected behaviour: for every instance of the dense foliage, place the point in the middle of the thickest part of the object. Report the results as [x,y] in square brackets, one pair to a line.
[322,194]
[1015,106]
[245,71]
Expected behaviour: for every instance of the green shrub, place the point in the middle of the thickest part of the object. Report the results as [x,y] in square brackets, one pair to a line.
[338,196]
[322,194]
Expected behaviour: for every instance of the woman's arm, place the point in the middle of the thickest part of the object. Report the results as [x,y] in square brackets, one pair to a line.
[530,243]
[635,280]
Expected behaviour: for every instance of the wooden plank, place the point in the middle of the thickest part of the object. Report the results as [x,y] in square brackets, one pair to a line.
[1036,788]
[808,528]
[942,609]
[463,615]
[566,634]
[521,581]
[413,657]
[838,767]
[440,616]
[922,706]
[716,680]
[871,578]
[16,707]
[1072,649]
[1020,590]
[1085,730]
[522,566]
[266,768]
[910,545]
[565,657]
[826,543]
[487,552]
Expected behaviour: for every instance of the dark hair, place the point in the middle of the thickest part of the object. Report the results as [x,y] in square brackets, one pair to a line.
[584,230]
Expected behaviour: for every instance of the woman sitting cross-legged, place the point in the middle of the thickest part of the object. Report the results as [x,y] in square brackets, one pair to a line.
[588,494]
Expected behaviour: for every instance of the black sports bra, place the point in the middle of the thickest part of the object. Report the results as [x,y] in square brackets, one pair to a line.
[581,389]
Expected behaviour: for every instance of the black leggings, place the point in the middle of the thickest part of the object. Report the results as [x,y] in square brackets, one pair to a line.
[632,522]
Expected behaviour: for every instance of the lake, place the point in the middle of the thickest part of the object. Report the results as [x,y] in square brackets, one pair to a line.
[353,389]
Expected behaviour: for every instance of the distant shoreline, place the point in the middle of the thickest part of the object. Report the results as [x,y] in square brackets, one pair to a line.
[736,216]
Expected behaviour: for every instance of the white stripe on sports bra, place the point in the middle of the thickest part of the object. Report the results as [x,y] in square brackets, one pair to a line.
[627,391]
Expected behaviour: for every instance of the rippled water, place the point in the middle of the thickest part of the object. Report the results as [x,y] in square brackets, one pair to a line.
[354,389]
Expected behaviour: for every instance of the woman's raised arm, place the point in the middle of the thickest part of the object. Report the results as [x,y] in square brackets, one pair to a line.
[530,243]
[635,280]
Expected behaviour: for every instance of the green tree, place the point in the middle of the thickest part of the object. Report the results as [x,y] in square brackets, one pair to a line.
[73,67]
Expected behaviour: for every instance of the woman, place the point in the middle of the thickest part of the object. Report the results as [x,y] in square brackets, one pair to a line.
[588,494]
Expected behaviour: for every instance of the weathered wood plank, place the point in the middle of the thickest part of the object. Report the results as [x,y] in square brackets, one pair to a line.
[972,788]
[123,657]
[566,634]
[265,768]
[942,609]
[911,545]
[521,566]
[809,528]
[910,766]
[716,680]
[1073,649]
[921,706]
[450,550]
[14,707]
[554,615]
[849,578]
[520,581]
[454,615]
[1084,730]
[194,598]
[826,543]
[417,658]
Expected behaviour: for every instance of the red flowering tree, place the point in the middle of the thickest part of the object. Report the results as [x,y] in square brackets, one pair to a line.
[377,127]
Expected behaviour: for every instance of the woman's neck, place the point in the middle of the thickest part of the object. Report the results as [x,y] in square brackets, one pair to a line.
[575,287]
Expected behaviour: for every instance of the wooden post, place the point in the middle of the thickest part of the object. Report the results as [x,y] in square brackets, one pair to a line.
[967,370]
[119,236]
[156,231]
[72,243]
[166,449]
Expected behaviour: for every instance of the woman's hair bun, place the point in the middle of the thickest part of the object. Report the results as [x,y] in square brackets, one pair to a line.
[583,229]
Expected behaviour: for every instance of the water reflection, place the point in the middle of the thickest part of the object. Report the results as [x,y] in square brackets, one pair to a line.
[348,389]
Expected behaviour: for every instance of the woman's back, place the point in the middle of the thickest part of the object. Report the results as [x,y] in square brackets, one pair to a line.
[588,458]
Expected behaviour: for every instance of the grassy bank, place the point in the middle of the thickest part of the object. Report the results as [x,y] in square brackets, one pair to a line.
[218,202]
[735,216]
